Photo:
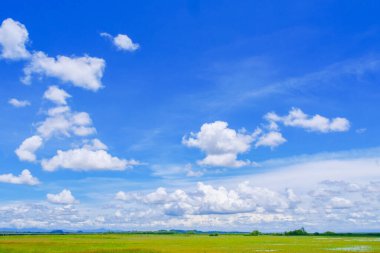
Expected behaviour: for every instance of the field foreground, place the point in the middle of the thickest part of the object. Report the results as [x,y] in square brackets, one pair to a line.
[185,243]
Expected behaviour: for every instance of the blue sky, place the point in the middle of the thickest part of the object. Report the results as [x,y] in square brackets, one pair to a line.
[196,114]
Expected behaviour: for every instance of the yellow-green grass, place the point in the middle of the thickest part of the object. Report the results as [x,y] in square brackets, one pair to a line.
[108,243]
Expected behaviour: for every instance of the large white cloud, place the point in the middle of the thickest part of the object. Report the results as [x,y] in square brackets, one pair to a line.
[280,197]
[24,178]
[26,151]
[85,72]
[64,197]
[122,42]
[220,143]
[56,95]
[207,199]
[13,36]
[316,123]
[89,157]
[18,103]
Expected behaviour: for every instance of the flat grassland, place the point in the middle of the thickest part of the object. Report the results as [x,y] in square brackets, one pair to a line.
[139,243]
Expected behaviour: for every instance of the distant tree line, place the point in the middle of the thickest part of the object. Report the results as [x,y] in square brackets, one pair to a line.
[303,232]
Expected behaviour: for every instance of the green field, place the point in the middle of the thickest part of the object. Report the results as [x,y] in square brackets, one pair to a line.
[185,243]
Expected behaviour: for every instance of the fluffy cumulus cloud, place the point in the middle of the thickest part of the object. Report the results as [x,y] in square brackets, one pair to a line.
[241,205]
[89,157]
[13,37]
[24,178]
[207,199]
[318,193]
[56,95]
[26,151]
[317,123]
[62,121]
[64,198]
[122,42]
[85,72]
[245,205]
[220,143]
[271,139]
[18,103]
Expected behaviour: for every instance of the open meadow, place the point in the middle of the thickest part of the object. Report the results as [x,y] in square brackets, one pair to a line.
[185,243]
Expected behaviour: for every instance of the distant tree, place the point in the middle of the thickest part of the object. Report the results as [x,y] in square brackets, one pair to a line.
[328,233]
[301,231]
[214,234]
[255,233]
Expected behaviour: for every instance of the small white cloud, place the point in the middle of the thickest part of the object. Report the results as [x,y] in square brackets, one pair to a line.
[85,72]
[122,42]
[316,123]
[121,196]
[26,151]
[56,95]
[13,36]
[220,143]
[64,198]
[18,103]
[340,203]
[85,159]
[24,178]
[271,139]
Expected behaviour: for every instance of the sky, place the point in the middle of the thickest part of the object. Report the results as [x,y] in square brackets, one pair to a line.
[208,115]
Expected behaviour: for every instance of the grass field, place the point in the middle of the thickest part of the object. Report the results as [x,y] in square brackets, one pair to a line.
[186,243]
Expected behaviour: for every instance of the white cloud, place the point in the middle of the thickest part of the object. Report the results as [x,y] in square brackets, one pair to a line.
[316,123]
[220,143]
[13,36]
[121,196]
[56,95]
[64,198]
[276,199]
[24,178]
[86,158]
[339,203]
[18,103]
[62,121]
[95,144]
[271,139]
[85,72]
[26,151]
[207,199]
[58,110]
[122,42]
